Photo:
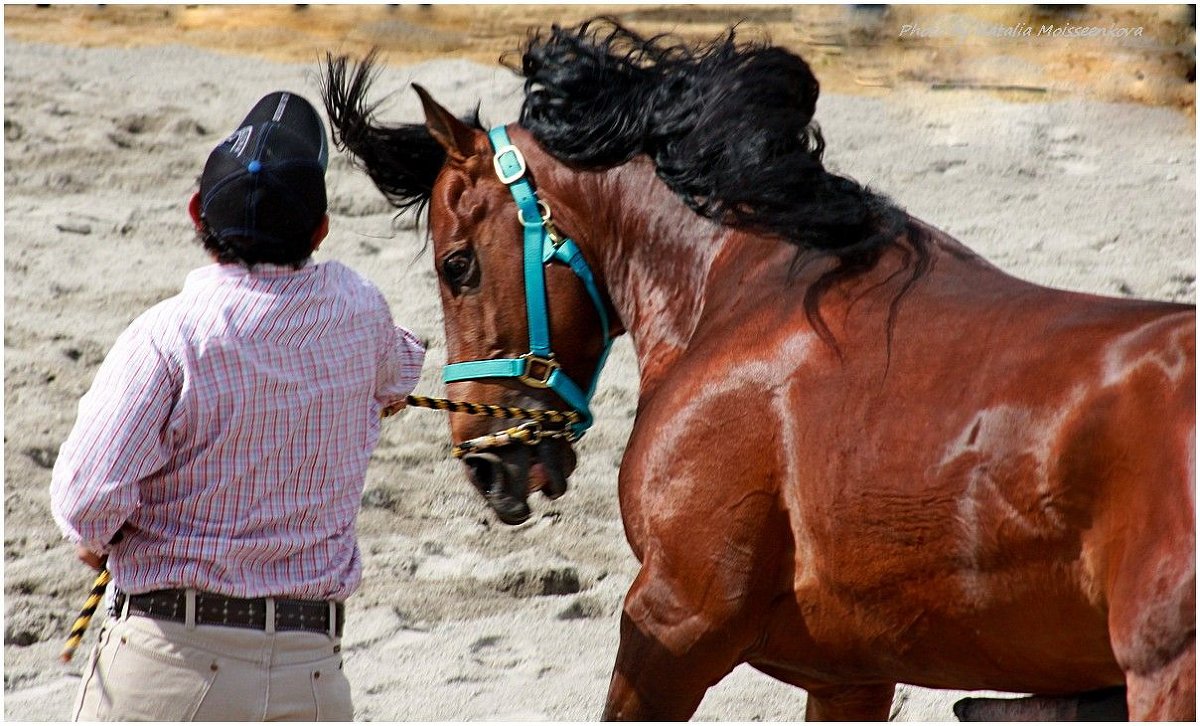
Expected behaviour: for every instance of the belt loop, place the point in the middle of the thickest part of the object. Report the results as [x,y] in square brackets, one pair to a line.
[333,620]
[124,614]
[189,608]
[269,626]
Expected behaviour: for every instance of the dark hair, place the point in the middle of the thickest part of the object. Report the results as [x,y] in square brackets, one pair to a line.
[729,128]
[248,251]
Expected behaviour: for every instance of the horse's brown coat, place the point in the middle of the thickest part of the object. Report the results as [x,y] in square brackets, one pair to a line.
[985,484]
[1002,499]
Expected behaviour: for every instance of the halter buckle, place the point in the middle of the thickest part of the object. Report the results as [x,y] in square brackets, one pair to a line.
[537,370]
[505,177]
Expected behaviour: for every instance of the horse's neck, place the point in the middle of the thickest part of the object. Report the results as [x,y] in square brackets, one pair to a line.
[655,256]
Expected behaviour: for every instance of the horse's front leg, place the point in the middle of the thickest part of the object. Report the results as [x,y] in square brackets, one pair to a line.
[673,648]
[699,604]
[850,703]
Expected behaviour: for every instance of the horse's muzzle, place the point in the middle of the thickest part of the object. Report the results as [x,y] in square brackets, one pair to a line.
[507,475]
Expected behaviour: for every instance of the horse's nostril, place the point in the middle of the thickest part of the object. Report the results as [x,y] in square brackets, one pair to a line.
[484,471]
[489,475]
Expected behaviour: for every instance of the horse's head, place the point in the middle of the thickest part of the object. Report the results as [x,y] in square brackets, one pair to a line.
[478,252]
[508,343]
[727,128]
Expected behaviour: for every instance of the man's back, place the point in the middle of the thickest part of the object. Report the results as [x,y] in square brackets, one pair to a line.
[266,388]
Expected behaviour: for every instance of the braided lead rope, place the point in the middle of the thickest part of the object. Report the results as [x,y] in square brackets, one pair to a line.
[85,616]
[530,433]
[541,415]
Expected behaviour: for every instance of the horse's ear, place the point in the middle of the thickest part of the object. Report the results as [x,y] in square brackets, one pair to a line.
[457,138]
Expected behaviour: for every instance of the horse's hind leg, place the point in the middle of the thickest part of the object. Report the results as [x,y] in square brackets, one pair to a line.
[1152,624]
[1152,615]
[1149,531]
[1154,640]
[850,703]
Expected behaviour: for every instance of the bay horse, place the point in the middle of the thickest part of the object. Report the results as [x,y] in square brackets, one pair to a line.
[862,454]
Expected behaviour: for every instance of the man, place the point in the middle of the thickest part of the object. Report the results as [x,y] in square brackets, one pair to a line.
[218,460]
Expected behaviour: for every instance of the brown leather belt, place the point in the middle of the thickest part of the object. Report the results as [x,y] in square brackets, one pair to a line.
[210,609]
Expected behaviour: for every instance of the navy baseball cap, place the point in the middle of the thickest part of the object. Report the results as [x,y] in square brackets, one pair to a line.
[266,181]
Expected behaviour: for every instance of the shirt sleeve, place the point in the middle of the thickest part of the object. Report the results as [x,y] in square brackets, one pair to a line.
[118,440]
[400,368]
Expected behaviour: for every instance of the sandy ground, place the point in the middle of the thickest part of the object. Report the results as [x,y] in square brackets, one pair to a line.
[853,49]
[461,618]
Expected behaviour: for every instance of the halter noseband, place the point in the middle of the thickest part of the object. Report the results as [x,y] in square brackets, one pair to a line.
[543,244]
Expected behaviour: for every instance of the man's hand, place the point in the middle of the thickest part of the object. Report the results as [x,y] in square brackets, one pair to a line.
[89,558]
[98,560]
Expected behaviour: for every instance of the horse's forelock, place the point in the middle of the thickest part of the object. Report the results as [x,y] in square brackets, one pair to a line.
[403,160]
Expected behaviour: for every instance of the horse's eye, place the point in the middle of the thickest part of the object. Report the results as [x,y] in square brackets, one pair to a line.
[458,267]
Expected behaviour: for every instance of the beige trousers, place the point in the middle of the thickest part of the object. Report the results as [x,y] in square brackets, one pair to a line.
[153,670]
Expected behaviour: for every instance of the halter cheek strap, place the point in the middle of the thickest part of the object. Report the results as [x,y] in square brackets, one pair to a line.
[543,244]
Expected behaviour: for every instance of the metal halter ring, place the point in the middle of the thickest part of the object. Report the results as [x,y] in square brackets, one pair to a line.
[545,210]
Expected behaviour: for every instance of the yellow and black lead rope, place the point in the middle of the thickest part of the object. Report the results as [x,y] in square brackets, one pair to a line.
[527,433]
[85,615]
[490,410]
[517,433]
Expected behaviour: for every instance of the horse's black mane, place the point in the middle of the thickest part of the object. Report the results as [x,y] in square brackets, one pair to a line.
[729,127]
[727,124]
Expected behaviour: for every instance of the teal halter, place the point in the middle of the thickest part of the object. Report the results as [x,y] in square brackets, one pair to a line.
[543,245]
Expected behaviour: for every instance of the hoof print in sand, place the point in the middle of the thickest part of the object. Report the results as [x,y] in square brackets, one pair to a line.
[585,608]
[536,583]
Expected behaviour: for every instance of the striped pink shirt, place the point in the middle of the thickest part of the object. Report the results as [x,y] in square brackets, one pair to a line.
[231,426]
